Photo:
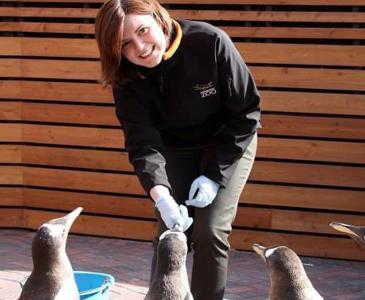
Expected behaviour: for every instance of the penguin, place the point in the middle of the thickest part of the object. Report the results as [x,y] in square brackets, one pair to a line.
[170,281]
[356,232]
[289,281]
[52,276]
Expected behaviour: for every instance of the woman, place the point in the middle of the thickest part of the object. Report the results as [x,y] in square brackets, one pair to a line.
[189,109]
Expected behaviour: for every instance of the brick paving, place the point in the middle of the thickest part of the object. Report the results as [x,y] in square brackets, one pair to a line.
[129,262]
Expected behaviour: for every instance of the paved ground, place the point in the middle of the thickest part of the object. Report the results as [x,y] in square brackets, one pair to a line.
[129,262]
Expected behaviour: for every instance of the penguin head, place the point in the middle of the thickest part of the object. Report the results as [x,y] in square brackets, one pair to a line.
[51,236]
[172,249]
[280,259]
[356,232]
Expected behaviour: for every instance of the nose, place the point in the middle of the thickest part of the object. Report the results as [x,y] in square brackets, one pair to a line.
[138,44]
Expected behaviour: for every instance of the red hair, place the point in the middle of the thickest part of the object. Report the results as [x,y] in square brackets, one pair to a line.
[109,28]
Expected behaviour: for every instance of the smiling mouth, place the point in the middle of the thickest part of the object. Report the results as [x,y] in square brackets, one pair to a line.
[147,54]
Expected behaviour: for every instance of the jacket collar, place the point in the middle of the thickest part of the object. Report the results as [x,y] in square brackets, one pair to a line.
[175,43]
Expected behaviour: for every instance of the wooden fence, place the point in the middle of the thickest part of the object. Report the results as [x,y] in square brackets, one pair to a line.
[61,145]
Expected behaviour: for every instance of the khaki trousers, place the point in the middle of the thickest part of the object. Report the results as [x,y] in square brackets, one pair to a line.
[208,236]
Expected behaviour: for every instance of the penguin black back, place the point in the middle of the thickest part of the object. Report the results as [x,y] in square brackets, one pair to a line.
[52,275]
[170,281]
[287,274]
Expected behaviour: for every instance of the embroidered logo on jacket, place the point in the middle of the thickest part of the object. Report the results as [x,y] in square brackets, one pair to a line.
[205,90]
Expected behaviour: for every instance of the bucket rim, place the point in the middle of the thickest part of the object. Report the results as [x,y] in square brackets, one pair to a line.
[108,282]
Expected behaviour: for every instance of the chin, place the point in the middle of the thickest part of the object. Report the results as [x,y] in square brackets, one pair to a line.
[153,63]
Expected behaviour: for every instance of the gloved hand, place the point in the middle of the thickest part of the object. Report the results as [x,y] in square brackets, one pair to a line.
[175,217]
[205,190]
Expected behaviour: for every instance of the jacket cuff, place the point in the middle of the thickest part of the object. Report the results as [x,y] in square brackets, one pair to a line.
[148,184]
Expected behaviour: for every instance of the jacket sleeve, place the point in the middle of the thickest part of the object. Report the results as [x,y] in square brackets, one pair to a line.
[241,111]
[142,139]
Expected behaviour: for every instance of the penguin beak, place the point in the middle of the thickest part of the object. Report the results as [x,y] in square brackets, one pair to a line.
[260,250]
[67,220]
[342,227]
[71,217]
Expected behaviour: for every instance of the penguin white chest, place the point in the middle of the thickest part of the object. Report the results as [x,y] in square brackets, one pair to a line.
[68,291]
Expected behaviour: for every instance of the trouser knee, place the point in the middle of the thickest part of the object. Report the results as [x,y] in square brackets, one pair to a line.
[210,240]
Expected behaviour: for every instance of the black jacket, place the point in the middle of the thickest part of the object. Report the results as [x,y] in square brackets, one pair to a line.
[203,94]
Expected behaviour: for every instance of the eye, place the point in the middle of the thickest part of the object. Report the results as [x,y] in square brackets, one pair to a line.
[125,44]
[143,30]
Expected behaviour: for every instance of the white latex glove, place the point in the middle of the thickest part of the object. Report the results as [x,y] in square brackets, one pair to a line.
[205,190]
[174,216]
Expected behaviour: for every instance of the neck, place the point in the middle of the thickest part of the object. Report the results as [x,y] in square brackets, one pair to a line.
[50,263]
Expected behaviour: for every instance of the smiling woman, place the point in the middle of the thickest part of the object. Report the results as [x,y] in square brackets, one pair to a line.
[116,30]
[144,42]
[189,109]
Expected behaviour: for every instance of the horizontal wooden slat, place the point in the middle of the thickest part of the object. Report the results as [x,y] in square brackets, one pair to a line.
[10,132]
[80,114]
[325,151]
[10,111]
[96,225]
[307,245]
[339,55]
[336,79]
[10,45]
[42,68]
[311,174]
[11,175]
[64,91]
[262,2]
[113,138]
[59,47]
[11,196]
[48,27]
[269,172]
[313,150]
[233,31]
[196,14]
[48,12]
[332,79]
[11,217]
[267,16]
[302,54]
[10,154]
[253,194]
[294,32]
[252,217]
[307,126]
[76,136]
[55,47]
[292,220]
[279,101]
[91,202]
[76,158]
[322,103]
[303,197]
[81,180]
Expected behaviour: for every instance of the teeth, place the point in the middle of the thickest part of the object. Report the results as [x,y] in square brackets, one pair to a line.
[144,55]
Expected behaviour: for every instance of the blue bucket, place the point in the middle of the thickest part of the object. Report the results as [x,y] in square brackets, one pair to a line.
[93,286]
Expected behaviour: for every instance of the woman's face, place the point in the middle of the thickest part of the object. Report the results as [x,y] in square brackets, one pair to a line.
[144,42]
